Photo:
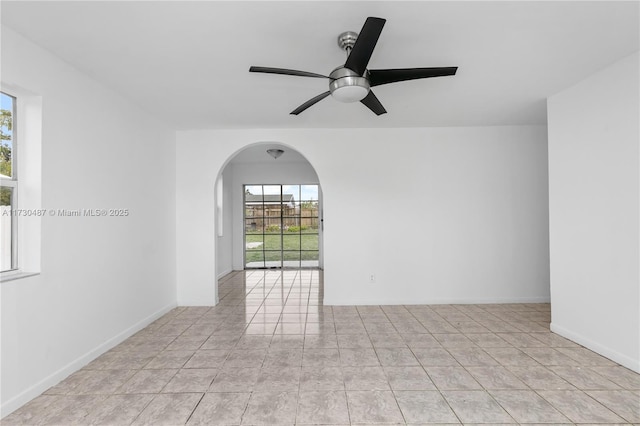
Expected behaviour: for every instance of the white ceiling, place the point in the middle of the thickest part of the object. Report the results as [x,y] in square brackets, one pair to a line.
[187,62]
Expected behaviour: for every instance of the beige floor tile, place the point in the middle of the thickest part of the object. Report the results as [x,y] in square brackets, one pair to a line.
[586,357]
[358,356]
[100,381]
[260,329]
[469,327]
[476,407]
[220,342]
[291,328]
[584,378]
[313,328]
[351,327]
[550,357]
[254,342]
[452,378]
[148,381]
[70,410]
[373,407]
[118,409]
[408,378]
[168,409]
[626,404]
[235,380]
[271,408]
[32,411]
[191,380]
[498,326]
[192,343]
[421,340]
[207,358]
[220,409]
[365,378]
[435,357]
[454,340]
[488,340]
[354,341]
[580,407]
[321,358]
[528,407]
[286,342]
[496,377]
[553,340]
[511,356]
[472,357]
[279,379]
[408,327]
[322,407]
[379,328]
[313,341]
[387,340]
[321,378]
[245,358]
[521,340]
[540,378]
[421,407]
[623,377]
[396,357]
[277,357]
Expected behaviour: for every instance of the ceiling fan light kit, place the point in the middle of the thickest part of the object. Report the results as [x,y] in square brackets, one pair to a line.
[353,81]
[347,85]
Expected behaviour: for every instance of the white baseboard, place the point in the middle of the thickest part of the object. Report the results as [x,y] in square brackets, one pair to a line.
[224,273]
[56,377]
[613,355]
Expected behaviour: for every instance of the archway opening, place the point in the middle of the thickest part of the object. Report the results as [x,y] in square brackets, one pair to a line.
[256,230]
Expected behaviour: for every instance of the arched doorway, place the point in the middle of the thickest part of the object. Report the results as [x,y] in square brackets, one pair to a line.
[298,211]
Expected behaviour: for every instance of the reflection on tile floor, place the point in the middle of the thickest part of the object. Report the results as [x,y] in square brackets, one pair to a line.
[271,353]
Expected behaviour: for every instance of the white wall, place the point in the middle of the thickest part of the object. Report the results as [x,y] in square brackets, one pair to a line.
[270,172]
[594,211]
[439,215]
[101,278]
[224,247]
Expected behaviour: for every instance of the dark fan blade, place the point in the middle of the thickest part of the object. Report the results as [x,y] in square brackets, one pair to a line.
[286,72]
[310,102]
[378,77]
[365,43]
[371,102]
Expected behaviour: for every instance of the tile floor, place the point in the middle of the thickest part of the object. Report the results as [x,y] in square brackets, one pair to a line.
[271,353]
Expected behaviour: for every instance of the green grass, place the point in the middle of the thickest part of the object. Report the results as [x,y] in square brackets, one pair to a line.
[290,243]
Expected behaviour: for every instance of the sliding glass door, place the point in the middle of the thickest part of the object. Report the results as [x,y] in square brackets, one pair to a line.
[281,226]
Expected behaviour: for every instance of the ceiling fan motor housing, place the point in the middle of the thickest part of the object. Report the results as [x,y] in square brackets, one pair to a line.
[347,85]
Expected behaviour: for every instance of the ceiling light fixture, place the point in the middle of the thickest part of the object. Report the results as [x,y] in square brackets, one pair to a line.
[275,153]
[348,86]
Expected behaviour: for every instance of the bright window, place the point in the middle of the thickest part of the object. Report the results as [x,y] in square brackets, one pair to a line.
[9,184]
[281,226]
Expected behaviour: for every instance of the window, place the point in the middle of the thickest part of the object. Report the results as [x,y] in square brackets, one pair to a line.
[281,227]
[21,210]
[9,186]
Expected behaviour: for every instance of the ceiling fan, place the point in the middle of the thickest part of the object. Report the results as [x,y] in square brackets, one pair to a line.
[352,82]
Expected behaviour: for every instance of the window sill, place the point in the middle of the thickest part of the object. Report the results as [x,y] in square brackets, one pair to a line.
[16,275]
